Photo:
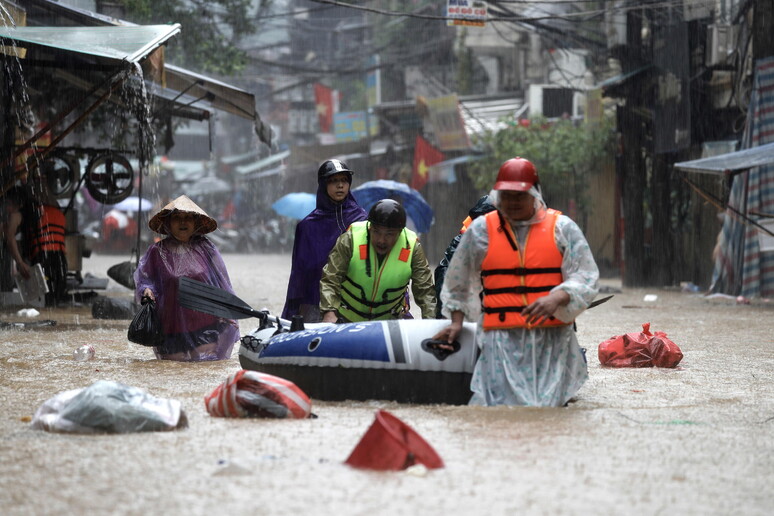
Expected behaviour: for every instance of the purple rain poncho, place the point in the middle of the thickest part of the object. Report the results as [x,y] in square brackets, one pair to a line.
[315,236]
[189,335]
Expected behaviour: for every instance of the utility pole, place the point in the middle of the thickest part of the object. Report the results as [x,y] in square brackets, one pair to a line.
[630,123]
[763,36]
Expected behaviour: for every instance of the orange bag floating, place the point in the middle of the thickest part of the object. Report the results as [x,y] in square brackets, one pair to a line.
[391,444]
[253,394]
[644,349]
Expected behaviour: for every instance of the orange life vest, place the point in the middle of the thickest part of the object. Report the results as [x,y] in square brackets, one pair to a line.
[466,224]
[514,279]
[50,234]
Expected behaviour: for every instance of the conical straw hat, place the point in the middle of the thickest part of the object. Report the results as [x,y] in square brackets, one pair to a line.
[205,223]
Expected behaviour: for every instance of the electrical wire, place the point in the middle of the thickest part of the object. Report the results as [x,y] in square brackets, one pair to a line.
[514,17]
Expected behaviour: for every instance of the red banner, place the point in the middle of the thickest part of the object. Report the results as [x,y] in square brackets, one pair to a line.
[323,99]
[425,155]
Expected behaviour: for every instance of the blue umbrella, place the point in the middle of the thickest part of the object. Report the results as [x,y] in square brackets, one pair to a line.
[296,205]
[417,209]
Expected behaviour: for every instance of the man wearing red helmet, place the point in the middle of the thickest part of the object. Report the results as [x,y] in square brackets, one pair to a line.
[536,274]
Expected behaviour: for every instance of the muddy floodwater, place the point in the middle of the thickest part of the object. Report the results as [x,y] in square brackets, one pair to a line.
[698,439]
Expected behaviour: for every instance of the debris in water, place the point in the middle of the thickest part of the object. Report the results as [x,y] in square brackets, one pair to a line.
[26,325]
[226,467]
[687,286]
[84,353]
[417,470]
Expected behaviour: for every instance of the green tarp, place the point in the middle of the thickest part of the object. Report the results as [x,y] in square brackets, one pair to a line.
[118,43]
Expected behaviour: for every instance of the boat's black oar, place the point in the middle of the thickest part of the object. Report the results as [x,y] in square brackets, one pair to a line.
[599,301]
[212,300]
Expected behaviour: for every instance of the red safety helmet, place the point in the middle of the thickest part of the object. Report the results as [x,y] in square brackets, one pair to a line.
[516,174]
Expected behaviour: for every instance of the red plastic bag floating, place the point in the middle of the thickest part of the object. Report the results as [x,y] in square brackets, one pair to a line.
[391,444]
[253,394]
[644,349]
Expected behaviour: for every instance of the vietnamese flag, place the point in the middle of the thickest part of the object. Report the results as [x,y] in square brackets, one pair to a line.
[425,155]
[323,99]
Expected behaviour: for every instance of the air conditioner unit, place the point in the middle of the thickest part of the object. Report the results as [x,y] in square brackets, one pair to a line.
[720,44]
[551,101]
[696,9]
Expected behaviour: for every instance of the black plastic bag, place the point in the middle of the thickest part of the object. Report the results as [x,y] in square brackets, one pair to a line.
[145,328]
[123,273]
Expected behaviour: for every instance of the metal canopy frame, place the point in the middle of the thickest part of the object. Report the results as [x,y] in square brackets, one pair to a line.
[129,46]
[113,45]
[214,93]
[731,163]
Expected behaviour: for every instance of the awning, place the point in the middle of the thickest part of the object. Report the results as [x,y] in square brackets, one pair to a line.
[444,170]
[454,161]
[208,91]
[266,173]
[479,113]
[485,114]
[219,95]
[115,44]
[239,158]
[731,162]
[263,163]
[173,103]
[168,101]
[608,86]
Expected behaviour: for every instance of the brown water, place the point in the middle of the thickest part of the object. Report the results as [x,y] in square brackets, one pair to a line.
[694,440]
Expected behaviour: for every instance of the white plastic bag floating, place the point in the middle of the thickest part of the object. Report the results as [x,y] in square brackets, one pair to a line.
[108,407]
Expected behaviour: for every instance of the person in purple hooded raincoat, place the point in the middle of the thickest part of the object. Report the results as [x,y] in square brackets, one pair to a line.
[315,236]
[188,335]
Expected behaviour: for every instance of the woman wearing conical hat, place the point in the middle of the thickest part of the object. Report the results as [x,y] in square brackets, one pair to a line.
[189,335]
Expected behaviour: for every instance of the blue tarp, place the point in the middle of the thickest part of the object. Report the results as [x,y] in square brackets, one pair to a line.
[731,162]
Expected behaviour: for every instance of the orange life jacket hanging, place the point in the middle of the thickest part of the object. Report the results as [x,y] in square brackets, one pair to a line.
[50,233]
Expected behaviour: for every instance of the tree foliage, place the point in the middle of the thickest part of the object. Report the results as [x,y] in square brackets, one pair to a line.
[565,154]
[212,30]
[464,65]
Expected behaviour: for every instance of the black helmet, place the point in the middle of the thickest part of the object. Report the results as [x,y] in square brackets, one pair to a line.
[332,167]
[388,213]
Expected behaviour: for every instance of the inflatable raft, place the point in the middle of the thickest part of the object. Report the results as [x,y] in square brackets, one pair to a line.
[384,360]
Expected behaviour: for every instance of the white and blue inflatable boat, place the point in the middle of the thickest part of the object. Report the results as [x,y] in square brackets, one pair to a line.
[386,360]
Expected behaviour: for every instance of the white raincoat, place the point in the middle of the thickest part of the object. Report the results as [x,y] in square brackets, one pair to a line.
[520,366]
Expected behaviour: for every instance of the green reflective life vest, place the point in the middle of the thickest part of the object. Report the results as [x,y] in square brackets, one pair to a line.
[379,295]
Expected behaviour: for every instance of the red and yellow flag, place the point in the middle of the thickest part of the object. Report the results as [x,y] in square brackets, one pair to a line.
[425,155]
[323,99]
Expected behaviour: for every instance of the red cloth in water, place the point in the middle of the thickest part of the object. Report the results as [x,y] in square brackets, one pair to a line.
[643,349]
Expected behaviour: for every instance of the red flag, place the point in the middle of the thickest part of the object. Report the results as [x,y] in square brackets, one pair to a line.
[323,99]
[425,155]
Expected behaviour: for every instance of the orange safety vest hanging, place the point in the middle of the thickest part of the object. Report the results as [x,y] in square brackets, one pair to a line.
[514,279]
[50,234]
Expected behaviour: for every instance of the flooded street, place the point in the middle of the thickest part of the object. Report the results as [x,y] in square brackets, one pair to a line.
[698,439]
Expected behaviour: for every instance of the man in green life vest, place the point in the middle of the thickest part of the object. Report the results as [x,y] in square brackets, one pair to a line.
[370,267]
